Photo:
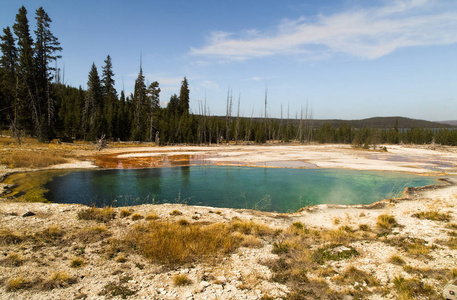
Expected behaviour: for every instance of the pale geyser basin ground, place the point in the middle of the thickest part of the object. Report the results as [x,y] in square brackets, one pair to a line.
[245,263]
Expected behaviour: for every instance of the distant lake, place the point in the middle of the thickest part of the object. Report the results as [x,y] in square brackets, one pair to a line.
[266,189]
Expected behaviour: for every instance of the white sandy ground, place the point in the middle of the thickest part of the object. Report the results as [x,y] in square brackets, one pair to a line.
[419,159]
[244,268]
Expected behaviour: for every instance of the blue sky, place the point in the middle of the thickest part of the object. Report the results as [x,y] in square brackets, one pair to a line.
[348,59]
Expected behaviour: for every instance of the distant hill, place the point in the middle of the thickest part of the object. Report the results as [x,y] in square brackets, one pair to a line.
[451,122]
[384,122]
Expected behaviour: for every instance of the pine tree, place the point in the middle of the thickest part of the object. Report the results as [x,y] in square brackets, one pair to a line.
[8,81]
[92,113]
[153,103]
[29,110]
[184,98]
[109,97]
[46,45]
[140,108]
[173,105]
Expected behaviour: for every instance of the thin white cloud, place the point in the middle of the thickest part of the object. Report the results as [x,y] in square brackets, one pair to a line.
[210,85]
[367,33]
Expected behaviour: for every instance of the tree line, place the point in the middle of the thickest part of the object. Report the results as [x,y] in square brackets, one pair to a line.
[34,101]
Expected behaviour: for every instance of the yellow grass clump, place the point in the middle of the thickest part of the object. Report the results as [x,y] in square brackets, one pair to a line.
[172,243]
[104,214]
[21,158]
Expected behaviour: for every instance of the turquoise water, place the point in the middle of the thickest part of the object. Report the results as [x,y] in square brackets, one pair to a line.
[266,189]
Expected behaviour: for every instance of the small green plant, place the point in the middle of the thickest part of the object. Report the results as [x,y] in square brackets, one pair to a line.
[281,247]
[181,280]
[334,252]
[115,289]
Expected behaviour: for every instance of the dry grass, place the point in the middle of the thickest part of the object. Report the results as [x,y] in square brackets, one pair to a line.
[433,215]
[17,283]
[352,275]
[92,234]
[32,158]
[151,217]
[171,243]
[12,260]
[104,214]
[175,213]
[77,262]
[451,243]
[413,288]
[8,237]
[58,280]
[386,221]
[125,212]
[396,260]
[251,227]
[136,217]
[181,280]
[417,249]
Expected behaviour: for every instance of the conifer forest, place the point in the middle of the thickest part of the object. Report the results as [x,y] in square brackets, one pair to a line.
[34,101]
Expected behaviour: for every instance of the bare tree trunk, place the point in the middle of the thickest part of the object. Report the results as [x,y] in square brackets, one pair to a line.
[228,117]
[265,118]
[237,121]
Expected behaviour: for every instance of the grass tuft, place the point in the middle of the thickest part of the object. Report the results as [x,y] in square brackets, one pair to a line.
[104,214]
[386,221]
[125,212]
[411,288]
[12,260]
[251,227]
[136,217]
[352,275]
[396,260]
[171,243]
[58,280]
[181,280]
[8,237]
[115,289]
[92,234]
[175,213]
[152,217]
[334,252]
[77,262]
[433,215]
[16,283]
